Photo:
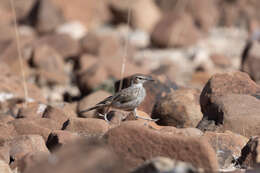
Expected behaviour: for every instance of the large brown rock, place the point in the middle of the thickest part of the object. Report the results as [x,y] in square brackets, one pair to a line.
[80,157]
[86,126]
[227,145]
[175,30]
[31,110]
[21,145]
[179,108]
[7,131]
[50,65]
[136,144]
[39,126]
[59,138]
[49,16]
[62,43]
[95,14]
[224,84]
[120,10]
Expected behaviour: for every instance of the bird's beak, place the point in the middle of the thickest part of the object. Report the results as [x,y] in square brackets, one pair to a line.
[148,78]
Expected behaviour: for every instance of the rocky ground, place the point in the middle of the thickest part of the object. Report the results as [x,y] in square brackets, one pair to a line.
[204,56]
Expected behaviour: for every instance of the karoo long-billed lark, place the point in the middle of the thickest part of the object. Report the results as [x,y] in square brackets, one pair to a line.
[128,99]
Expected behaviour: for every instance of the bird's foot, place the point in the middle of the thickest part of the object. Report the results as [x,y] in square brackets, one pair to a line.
[105,116]
[145,118]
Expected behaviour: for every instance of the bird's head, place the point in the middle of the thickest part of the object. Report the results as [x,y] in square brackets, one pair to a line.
[140,79]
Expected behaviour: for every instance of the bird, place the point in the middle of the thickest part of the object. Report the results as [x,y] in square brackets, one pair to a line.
[127,99]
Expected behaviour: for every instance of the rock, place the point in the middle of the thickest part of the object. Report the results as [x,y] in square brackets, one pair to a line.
[179,108]
[11,57]
[56,114]
[62,43]
[7,131]
[250,59]
[169,32]
[164,164]
[86,126]
[59,138]
[238,113]
[49,16]
[32,110]
[22,8]
[90,43]
[220,60]
[21,145]
[250,153]
[224,84]
[200,17]
[4,167]
[28,160]
[88,156]
[135,144]
[42,126]
[120,10]
[95,14]
[50,65]
[12,87]
[227,146]
[192,132]
[7,35]
[91,100]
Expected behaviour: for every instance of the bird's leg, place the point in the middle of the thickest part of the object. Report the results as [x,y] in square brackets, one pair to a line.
[105,114]
[144,118]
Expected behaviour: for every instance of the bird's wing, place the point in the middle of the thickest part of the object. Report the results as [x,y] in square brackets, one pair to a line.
[106,102]
[125,95]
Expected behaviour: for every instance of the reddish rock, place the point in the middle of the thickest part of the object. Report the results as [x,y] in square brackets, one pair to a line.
[95,14]
[7,131]
[21,145]
[120,10]
[135,144]
[56,114]
[169,32]
[91,100]
[32,110]
[58,138]
[49,16]
[179,108]
[224,84]
[80,156]
[220,60]
[250,153]
[62,43]
[39,126]
[86,126]
[227,145]
[91,43]
[6,36]
[192,132]
[22,8]
[238,113]
[50,65]
[5,118]
[28,160]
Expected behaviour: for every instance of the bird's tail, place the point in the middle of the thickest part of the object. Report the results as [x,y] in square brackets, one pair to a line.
[101,104]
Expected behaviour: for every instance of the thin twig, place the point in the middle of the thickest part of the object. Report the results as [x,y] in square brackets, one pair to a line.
[125,49]
[19,52]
